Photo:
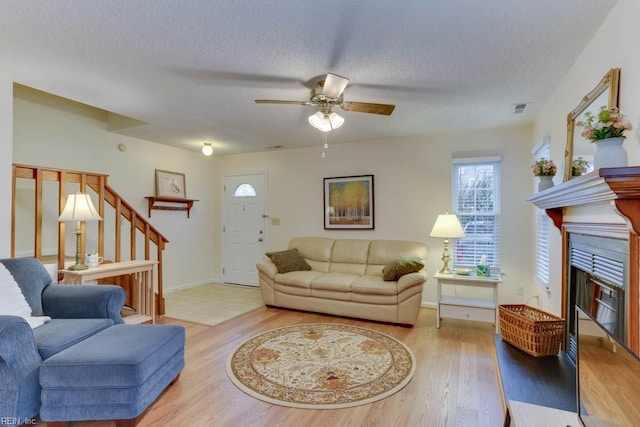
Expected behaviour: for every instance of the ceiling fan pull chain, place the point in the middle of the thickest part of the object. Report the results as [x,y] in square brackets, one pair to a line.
[325,144]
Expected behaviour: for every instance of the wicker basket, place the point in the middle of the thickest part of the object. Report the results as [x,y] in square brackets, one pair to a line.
[531,330]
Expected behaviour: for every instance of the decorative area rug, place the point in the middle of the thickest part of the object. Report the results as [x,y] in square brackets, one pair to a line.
[321,366]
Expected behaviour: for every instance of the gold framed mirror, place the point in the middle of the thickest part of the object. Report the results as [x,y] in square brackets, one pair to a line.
[605,93]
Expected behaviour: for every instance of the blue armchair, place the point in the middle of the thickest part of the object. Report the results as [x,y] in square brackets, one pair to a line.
[77,312]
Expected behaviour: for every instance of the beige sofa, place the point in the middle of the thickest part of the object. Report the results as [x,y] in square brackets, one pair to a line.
[346,279]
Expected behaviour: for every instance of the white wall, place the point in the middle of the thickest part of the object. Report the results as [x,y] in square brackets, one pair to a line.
[49,131]
[6,149]
[412,186]
[412,178]
[615,44]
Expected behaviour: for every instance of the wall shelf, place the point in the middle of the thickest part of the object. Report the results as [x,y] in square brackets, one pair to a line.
[170,204]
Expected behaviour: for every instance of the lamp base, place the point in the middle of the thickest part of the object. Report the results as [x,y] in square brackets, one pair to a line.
[445,258]
[77,267]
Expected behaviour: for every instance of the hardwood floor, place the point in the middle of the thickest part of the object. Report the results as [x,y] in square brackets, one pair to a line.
[455,383]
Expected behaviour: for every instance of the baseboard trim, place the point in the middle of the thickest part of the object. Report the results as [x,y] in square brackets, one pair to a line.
[427,304]
[190,285]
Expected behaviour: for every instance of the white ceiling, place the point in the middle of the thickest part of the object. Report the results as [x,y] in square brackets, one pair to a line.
[191,69]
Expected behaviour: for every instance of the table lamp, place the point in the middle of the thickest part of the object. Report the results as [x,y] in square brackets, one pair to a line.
[79,208]
[448,227]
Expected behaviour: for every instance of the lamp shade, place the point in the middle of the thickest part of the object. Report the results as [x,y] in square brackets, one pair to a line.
[447,226]
[79,207]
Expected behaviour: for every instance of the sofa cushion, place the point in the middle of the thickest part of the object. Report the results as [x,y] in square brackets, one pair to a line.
[301,279]
[334,282]
[401,266]
[352,251]
[382,252]
[59,334]
[373,285]
[289,260]
[313,248]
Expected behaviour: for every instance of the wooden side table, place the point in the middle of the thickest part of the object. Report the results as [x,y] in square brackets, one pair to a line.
[143,272]
[465,308]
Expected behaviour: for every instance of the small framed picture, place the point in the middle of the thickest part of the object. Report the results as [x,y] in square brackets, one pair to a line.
[170,184]
[348,202]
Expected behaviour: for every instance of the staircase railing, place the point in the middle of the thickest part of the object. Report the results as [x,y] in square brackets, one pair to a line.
[122,211]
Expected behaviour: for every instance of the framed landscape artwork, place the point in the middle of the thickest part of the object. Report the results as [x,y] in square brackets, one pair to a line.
[348,202]
[170,184]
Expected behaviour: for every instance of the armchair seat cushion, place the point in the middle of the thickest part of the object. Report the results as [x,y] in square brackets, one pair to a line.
[59,334]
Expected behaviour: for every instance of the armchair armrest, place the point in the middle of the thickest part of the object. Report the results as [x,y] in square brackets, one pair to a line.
[19,369]
[83,302]
[17,345]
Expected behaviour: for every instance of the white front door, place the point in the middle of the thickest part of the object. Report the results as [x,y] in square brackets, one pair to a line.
[243,228]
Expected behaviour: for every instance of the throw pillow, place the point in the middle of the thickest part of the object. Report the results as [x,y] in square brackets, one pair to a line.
[401,266]
[289,260]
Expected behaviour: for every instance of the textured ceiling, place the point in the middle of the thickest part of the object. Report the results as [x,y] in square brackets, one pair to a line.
[189,71]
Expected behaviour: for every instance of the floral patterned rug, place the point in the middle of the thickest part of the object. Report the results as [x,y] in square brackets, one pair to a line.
[321,366]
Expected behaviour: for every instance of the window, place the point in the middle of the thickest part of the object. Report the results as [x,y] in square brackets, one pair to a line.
[476,201]
[244,190]
[542,229]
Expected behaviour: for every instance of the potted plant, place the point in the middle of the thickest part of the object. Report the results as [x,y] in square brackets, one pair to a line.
[545,170]
[606,128]
[579,166]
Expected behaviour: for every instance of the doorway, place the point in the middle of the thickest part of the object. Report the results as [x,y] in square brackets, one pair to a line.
[243,227]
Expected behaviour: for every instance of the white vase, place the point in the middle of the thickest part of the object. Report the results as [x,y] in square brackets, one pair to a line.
[609,153]
[546,181]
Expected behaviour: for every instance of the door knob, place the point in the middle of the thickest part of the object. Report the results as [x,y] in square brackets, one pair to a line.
[259,239]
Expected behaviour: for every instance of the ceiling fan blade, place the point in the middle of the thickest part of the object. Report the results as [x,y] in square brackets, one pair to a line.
[334,85]
[278,101]
[366,107]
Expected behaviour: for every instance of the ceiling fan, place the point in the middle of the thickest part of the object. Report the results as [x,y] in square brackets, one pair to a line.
[327,94]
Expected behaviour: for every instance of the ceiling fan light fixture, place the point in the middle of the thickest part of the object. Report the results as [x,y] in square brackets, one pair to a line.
[320,121]
[326,121]
[207,149]
[336,120]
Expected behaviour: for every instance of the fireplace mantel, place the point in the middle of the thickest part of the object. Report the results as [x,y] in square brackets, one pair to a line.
[621,186]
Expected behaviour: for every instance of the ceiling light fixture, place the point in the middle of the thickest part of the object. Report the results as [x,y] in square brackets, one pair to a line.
[326,120]
[207,149]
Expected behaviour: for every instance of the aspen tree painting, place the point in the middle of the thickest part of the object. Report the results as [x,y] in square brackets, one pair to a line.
[348,202]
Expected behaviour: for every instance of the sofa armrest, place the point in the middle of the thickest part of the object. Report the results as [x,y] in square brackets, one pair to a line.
[268,268]
[411,279]
[83,302]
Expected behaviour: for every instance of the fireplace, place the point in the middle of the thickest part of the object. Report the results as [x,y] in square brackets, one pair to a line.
[597,282]
[599,217]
